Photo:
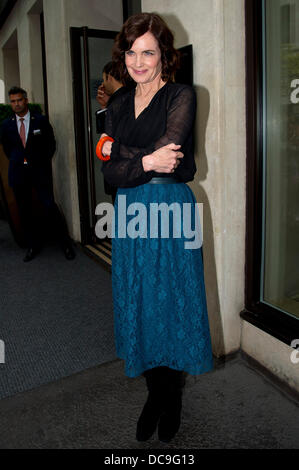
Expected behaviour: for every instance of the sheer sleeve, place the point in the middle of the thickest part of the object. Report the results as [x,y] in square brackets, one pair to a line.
[125,169]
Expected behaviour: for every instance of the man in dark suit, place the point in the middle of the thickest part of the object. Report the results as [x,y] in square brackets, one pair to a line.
[111,88]
[29,144]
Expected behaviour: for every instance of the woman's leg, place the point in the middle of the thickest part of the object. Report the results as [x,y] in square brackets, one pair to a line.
[170,420]
[153,408]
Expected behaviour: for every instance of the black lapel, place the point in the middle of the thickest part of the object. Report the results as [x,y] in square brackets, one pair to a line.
[14,127]
[31,127]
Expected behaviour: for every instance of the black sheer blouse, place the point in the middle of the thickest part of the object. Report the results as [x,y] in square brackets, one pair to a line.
[168,118]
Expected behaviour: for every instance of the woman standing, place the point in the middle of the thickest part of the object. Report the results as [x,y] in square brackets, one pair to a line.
[160,315]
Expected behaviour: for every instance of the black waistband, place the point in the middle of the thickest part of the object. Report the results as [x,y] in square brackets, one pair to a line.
[163,180]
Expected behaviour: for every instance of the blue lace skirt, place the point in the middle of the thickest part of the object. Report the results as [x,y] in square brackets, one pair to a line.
[160,312]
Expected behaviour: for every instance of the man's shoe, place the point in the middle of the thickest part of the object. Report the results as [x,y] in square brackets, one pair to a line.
[31,253]
[69,252]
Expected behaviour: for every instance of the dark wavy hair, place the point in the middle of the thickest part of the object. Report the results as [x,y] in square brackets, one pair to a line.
[137,26]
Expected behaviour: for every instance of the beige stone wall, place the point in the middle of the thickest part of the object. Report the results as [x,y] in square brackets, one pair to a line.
[36,58]
[216,30]
[11,76]
[281,359]
[18,23]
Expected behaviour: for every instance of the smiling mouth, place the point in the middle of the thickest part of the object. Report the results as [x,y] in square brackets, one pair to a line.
[140,72]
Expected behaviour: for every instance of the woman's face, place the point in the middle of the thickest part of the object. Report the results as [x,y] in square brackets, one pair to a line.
[143,60]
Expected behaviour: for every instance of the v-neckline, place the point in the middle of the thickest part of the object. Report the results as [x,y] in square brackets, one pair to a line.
[147,107]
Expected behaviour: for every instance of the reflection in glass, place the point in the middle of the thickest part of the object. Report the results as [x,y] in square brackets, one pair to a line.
[99,53]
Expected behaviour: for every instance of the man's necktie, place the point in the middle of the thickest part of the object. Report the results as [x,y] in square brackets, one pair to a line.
[23,136]
[22,132]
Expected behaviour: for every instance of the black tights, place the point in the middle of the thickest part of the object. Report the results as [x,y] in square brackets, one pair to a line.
[169,375]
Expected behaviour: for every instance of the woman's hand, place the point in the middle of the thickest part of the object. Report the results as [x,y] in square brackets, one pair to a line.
[164,160]
[106,150]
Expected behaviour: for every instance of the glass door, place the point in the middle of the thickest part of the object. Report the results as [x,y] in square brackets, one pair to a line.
[91,50]
[280,241]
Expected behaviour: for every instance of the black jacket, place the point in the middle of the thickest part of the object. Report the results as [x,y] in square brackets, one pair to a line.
[40,148]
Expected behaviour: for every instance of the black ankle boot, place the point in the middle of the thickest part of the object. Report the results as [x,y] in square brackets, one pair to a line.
[153,408]
[170,420]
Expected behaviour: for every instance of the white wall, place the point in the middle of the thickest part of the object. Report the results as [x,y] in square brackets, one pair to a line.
[96,14]
[217,32]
